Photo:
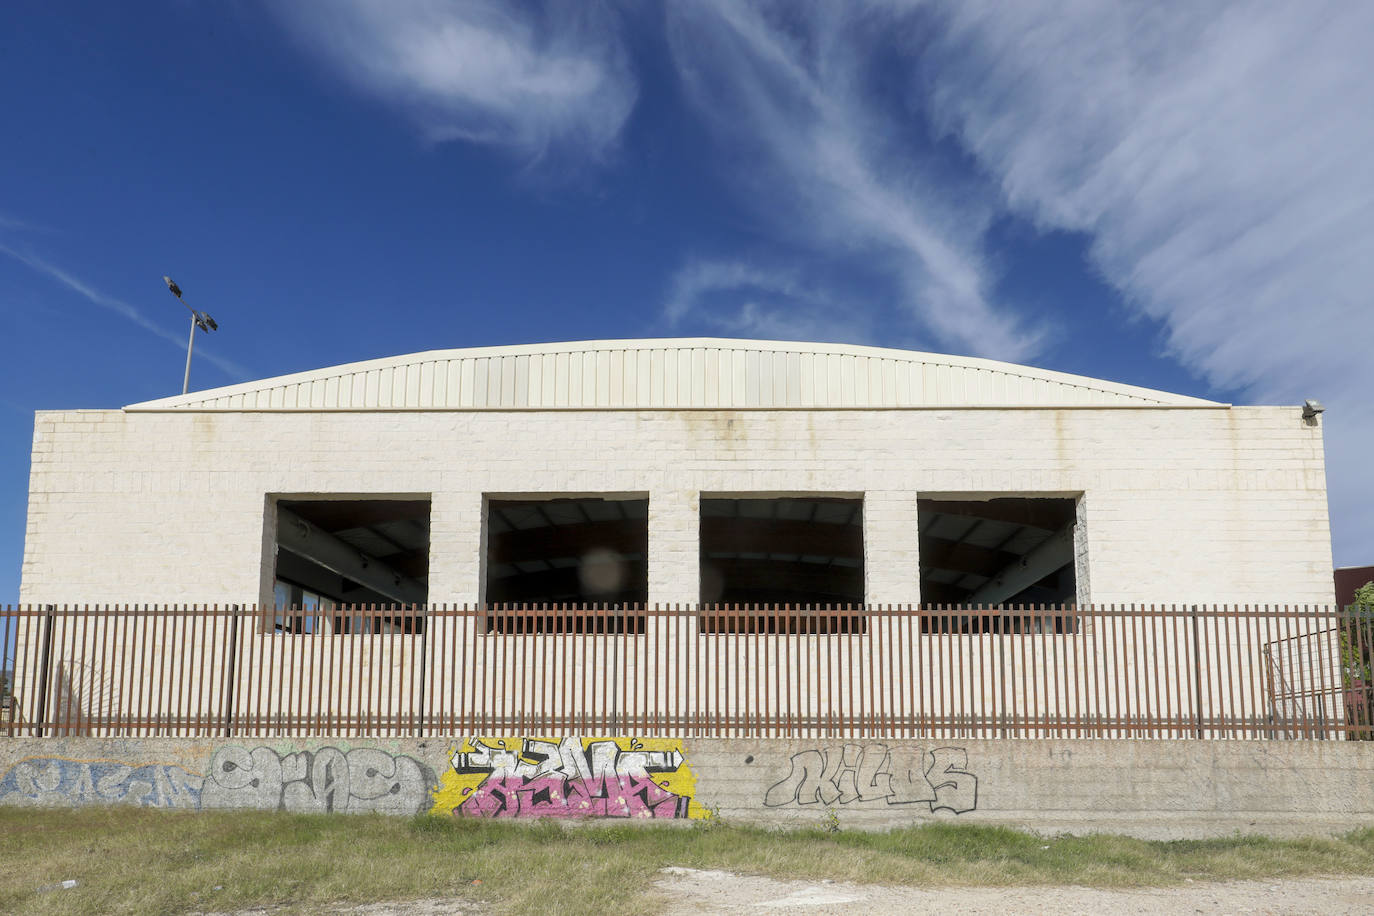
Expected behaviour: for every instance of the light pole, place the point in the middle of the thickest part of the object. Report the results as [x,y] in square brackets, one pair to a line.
[198,320]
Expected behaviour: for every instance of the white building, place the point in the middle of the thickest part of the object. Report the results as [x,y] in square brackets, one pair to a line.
[668,471]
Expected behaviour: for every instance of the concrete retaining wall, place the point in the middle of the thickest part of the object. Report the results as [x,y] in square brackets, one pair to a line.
[1154,789]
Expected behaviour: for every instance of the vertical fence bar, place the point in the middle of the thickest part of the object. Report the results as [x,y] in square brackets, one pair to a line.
[1212,633]
[426,688]
[229,688]
[158,676]
[451,679]
[1321,689]
[87,665]
[44,668]
[67,716]
[1158,713]
[184,655]
[480,621]
[201,626]
[1230,620]
[1363,649]
[1197,678]
[8,670]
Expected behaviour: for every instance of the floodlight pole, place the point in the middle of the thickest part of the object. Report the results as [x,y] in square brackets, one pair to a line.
[190,345]
[198,320]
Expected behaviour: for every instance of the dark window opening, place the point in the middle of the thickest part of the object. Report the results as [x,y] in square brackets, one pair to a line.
[1007,555]
[351,565]
[804,553]
[574,565]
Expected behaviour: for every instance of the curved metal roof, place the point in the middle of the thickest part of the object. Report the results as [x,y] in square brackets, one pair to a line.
[685,373]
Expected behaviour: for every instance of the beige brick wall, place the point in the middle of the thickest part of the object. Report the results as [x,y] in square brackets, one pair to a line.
[1180,505]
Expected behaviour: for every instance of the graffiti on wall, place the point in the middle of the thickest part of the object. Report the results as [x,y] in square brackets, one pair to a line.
[58,781]
[569,777]
[361,780]
[903,775]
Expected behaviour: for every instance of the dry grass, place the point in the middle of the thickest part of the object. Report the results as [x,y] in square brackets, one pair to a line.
[141,861]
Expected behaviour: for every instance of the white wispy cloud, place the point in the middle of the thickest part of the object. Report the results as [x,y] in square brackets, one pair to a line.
[740,299]
[787,90]
[13,222]
[1218,157]
[121,308]
[523,79]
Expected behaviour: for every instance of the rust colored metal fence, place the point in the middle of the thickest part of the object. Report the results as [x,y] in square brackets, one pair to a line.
[1089,672]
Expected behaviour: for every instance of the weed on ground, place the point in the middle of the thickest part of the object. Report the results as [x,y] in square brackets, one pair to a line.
[141,861]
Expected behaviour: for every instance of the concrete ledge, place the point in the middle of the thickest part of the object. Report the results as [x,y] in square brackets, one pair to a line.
[1152,789]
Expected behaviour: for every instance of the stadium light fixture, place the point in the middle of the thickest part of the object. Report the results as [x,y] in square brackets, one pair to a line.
[198,320]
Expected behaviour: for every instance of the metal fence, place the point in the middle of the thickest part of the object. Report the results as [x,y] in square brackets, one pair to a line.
[876,671]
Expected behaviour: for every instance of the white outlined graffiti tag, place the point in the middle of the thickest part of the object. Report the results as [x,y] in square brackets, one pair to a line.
[903,775]
[327,779]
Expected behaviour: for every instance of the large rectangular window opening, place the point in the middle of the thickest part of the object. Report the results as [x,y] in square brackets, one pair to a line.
[1004,552]
[338,554]
[803,552]
[567,565]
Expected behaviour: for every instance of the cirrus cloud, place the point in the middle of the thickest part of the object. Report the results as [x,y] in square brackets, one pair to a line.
[739,298]
[1217,156]
[522,79]
[788,89]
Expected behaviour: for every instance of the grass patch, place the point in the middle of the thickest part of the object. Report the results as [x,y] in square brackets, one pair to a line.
[133,860]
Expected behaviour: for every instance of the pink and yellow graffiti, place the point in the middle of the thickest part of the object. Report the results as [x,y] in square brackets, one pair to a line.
[568,777]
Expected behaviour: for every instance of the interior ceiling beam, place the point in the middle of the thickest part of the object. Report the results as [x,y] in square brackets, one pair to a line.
[961,556]
[1051,554]
[414,564]
[727,502]
[777,535]
[551,541]
[1045,513]
[339,514]
[721,535]
[309,540]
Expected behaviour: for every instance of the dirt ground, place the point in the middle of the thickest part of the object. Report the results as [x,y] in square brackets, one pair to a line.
[692,891]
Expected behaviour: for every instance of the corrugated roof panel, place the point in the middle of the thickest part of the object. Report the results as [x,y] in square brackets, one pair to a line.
[481,383]
[827,378]
[586,383]
[689,373]
[534,382]
[856,374]
[644,377]
[423,382]
[615,392]
[739,378]
[509,393]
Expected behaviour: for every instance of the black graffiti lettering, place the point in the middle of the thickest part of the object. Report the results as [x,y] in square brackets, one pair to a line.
[851,773]
[875,779]
[955,789]
[909,785]
[841,769]
[802,785]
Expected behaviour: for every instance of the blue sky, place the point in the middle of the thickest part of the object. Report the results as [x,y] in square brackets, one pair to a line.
[1166,196]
